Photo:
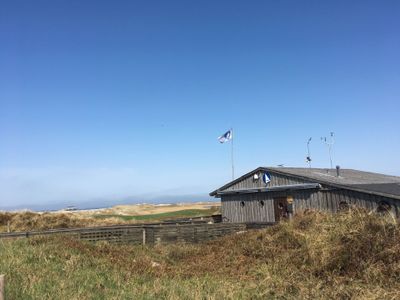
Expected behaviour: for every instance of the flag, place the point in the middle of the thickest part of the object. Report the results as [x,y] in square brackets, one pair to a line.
[225,137]
[266,178]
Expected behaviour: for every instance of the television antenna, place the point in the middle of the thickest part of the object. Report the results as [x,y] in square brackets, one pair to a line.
[308,158]
[329,144]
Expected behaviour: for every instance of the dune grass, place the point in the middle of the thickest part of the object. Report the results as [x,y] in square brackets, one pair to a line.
[31,221]
[314,256]
[186,213]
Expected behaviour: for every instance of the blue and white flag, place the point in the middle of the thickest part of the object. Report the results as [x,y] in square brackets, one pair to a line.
[266,178]
[225,137]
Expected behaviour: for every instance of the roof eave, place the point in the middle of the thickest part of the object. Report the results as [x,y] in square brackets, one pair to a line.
[282,188]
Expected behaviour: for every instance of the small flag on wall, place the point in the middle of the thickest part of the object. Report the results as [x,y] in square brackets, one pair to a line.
[225,137]
[266,178]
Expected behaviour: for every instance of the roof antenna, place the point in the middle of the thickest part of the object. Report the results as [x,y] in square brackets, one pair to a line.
[308,158]
[329,145]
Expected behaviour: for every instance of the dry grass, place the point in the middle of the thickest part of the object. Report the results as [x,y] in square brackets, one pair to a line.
[149,209]
[31,221]
[352,255]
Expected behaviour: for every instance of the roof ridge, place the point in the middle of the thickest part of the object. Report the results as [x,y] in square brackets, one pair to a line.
[329,169]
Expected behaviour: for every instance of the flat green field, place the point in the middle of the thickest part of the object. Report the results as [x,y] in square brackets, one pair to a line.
[315,256]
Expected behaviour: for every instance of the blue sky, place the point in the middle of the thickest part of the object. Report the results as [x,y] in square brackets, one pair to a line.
[113,99]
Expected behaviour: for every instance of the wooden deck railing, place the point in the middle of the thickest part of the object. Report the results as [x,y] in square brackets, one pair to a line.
[141,234]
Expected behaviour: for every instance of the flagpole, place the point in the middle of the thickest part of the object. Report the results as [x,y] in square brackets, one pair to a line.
[233,167]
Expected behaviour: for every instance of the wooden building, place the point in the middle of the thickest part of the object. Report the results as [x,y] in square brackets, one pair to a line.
[269,194]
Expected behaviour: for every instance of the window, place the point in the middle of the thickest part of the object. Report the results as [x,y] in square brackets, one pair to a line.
[261,203]
[241,203]
[383,208]
[343,206]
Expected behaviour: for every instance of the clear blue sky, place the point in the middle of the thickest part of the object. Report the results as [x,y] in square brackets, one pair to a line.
[111,99]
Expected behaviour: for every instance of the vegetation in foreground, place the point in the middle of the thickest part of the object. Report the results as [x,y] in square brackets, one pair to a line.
[350,255]
[29,221]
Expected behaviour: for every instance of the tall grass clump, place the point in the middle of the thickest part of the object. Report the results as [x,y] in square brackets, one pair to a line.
[31,221]
[346,255]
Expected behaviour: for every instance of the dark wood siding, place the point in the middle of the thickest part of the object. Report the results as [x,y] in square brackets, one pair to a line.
[323,200]
[329,200]
[276,180]
[252,211]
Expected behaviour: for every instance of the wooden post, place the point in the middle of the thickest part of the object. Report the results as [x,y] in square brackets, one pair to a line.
[8,226]
[2,287]
[144,237]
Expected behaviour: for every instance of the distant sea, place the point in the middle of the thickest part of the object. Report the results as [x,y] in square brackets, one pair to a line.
[104,203]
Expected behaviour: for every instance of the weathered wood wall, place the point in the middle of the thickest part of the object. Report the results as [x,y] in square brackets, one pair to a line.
[330,199]
[276,180]
[252,211]
[324,200]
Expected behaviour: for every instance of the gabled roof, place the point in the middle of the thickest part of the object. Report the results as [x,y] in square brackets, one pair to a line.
[213,193]
[367,182]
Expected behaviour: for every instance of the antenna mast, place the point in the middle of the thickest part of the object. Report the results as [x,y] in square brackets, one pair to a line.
[329,145]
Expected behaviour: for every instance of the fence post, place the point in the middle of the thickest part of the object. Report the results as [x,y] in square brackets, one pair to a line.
[144,237]
[2,287]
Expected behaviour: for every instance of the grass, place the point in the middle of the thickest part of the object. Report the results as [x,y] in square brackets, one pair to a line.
[30,221]
[352,255]
[186,213]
